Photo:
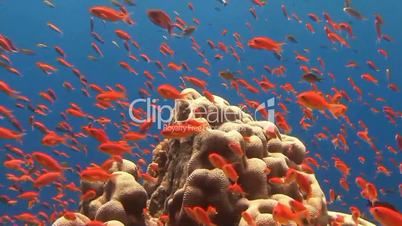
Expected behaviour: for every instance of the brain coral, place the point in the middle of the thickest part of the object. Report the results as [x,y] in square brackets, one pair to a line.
[232,170]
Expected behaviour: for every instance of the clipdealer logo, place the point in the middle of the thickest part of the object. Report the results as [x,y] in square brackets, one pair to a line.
[269,106]
[163,114]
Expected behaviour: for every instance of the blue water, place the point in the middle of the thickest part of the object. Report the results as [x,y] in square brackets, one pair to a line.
[24,22]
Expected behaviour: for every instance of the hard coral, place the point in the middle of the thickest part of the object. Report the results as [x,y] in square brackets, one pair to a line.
[261,169]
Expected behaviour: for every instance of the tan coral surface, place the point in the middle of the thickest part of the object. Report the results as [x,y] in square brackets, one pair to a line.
[186,177]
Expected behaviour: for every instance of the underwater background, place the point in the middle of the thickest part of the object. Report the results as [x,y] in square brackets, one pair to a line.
[25,24]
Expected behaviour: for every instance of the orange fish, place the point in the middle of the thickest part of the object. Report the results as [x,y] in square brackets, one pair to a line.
[64,62]
[9,134]
[126,66]
[123,34]
[46,68]
[134,136]
[230,172]
[95,175]
[88,195]
[31,196]
[6,44]
[266,44]
[169,92]
[237,189]
[29,218]
[314,100]
[109,96]
[52,139]
[47,178]
[195,81]
[115,148]
[174,66]
[54,27]
[386,215]
[217,160]
[369,78]
[248,218]
[161,19]
[282,214]
[236,148]
[107,13]
[47,161]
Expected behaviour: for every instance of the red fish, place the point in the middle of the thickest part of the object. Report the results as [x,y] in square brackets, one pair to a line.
[9,134]
[47,161]
[134,136]
[54,27]
[46,68]
[110,14]
[314,100]
[282,214]
[386,216]
[161,19]
[123,34]
[266,44]
[217,160]
[47,178]
[195,81]
[6,44]
[52,139]
[115,148]
[95,175]
[169,92]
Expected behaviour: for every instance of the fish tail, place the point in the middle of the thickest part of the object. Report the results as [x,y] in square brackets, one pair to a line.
[301,216]
[20,137]
[336,109]
[90,117]
[127,19]
[15,94]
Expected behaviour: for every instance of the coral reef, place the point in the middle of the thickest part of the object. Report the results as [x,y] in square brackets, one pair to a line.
[232,170]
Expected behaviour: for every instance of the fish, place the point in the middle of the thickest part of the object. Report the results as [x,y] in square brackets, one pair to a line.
[314,100]
[54,27]
[6,133]
[353,12]
[46,68]
[386,214]
[266,43]
[115,148]
[47,161]
[47,179]
[110,14]
[224,2]
[169,92]
[291,38]
[161,19]
[282,214]
[311,78]
[95,175]
[49,3]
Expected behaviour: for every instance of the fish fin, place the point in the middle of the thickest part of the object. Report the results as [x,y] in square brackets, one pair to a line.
[19,137]
[336,109]
[127,19]
[301,216]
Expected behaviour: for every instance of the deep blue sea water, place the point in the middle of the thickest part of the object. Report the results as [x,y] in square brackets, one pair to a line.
[25,23]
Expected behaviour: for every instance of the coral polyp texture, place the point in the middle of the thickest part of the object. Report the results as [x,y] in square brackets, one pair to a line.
[229,170]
